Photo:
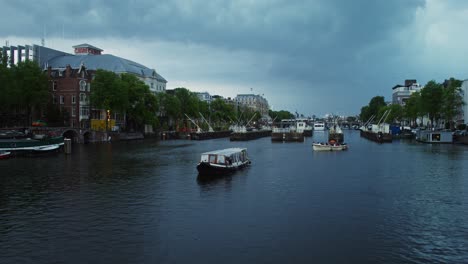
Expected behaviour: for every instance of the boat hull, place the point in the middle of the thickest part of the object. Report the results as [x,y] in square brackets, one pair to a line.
[5,154]
[205,168]
[28,144]
[323,147]
[287,136]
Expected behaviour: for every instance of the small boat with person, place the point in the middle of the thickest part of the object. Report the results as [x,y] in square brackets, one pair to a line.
[223,161]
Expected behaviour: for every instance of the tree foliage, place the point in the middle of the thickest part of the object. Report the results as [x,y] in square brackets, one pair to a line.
[412,108]
[452,101]
[125,94]
[142,103]
[373,108]
[432,100]
[26,89]
[279,115]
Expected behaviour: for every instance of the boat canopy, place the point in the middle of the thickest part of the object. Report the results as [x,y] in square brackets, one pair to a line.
[224,155]
[225,152]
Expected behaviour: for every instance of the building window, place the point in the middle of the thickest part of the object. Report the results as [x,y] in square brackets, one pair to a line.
[54,86]
[89,87]
[62,99]
[84,112]
[73,99]
[54,99]
[82,85]
[82,98]
[152,85]
[73,111]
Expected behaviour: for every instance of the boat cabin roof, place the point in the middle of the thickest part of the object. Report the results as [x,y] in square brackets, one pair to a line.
[225,152]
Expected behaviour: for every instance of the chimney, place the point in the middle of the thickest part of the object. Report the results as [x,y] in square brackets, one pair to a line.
[68,71]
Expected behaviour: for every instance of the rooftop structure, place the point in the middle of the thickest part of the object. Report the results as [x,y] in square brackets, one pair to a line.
[401,93]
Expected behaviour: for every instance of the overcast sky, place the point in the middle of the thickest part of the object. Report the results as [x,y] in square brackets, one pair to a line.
[314,57]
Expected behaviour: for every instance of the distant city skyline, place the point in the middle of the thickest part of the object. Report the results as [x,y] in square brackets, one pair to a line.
[313,57]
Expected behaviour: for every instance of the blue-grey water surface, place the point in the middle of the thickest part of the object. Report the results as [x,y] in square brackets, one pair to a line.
[142,202]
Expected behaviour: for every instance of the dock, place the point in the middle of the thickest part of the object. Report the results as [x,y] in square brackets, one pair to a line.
[249,135]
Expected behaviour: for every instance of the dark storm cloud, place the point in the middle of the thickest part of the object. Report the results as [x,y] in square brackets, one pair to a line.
[318,46]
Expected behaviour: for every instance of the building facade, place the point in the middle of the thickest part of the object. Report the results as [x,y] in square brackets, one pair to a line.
[71,78]
[401,93]
[205,97]
[254,102]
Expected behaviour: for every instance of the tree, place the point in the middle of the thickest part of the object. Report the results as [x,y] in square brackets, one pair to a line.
[6,83]
[412,108]
[109,92]
[279,115]
[452,101]
[169,109]
[222,112]
[30,89]
[188,102]
[373,108]
[142,103]
[431,100]
[395,115]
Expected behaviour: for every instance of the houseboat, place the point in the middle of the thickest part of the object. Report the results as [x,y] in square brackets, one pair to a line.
[223,161]
[439,137]
[293,131]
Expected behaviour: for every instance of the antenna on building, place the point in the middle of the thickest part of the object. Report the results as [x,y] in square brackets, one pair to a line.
[43,37]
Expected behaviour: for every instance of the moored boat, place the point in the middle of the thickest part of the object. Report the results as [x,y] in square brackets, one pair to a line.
[46,149]
[328,147]
[319,126]
[291,130]
[4,154]
[29,144]
[335,134]
[223,161]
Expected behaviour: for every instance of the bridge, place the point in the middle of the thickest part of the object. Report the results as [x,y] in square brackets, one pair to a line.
[77,135]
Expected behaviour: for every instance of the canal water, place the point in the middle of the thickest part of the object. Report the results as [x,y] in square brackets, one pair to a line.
[142,202]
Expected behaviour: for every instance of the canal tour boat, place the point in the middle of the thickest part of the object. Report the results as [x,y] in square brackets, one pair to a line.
[223,161]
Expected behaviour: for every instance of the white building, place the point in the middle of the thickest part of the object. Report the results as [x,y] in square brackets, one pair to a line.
[255,102]
[401,93]
[205,97]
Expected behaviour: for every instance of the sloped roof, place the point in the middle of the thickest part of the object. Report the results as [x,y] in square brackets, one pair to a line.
[105,62]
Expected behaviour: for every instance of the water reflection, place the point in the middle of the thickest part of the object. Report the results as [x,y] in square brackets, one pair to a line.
[211,180]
